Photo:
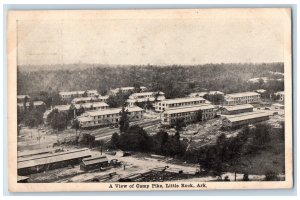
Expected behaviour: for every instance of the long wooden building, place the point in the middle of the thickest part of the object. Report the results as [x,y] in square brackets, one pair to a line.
[41,163]
[188,114]
[231,110]
[108,117]
[178,102]
[241,98]
[231,121]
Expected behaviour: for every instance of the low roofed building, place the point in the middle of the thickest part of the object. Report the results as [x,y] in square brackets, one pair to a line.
[94,163]
[231,110]
[41,163]
[239,120]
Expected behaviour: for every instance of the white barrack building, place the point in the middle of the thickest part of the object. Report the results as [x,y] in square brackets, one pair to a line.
[242,98]
[108,117]
[126,90]
[89,99]
[75,94]
[178,102]
[92,106]
[188,114]
[70,95]
[145,97]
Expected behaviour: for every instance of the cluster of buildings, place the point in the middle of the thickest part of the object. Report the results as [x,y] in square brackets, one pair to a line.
[189,109]
[239,115]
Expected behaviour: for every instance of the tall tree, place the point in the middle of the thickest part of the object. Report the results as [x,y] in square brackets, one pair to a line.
[124,120]
[114,141]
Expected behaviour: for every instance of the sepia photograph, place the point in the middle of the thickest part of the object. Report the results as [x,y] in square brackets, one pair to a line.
[157,99]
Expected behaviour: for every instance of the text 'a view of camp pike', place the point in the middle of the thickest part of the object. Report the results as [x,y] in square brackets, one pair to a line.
[157,186]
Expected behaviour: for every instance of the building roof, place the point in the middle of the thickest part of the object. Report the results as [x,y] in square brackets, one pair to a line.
[238,107]
[62,107]
[199,94]
[33,152]
[258,78]
[189,109]
[182,100]
[35,103]
[141,99]
[279,92]
[71,92]
[82,99]
[22,96]
[103,97]
[126,88]
[113,111]
[78,99]
[92,91]
[261,90]
[94,104]
[142,94]
[94,160]
[246,116]
[277,104]
[242,94]
[84,118]
[53,158]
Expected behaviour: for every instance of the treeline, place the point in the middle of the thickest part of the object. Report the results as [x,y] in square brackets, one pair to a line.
[137,139]
[175,80]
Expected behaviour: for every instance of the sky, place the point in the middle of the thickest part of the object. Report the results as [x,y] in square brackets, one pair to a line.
[206,37]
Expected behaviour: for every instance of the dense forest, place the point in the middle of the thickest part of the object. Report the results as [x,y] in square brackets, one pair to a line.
[175,80]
